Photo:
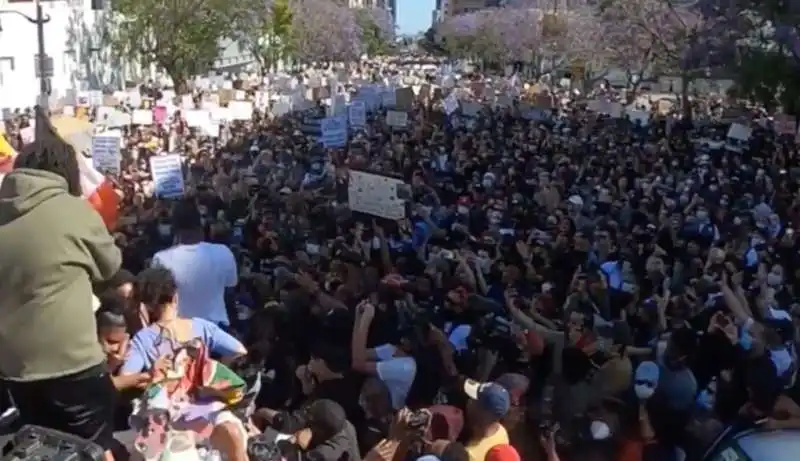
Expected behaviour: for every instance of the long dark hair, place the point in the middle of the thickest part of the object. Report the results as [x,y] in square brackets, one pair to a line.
[51,153]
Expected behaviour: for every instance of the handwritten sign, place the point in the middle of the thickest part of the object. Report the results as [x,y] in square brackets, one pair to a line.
[106,153]
[167,173]
[375,195]
[334,131]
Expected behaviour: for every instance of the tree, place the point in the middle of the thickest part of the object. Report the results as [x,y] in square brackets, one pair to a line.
[324,30]
[180,36]
[690,39]
[263,28]
[768,56]
[376,30]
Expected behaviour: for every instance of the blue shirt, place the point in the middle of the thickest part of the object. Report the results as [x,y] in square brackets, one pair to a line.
[143,351]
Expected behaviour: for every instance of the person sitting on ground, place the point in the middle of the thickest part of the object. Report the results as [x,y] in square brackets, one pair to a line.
[157,290]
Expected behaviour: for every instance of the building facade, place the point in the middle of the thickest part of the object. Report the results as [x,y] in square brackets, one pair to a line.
[72,38]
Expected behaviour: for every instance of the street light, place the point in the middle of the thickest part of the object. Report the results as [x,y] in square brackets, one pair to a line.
[40,20]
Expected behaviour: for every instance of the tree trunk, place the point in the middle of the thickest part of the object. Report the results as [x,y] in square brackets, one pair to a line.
[686,106]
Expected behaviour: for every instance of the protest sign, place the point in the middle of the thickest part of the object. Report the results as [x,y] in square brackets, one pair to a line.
[450,104]
[196,118]
[241,110]
[167,172]
[388,97]
[739,132]
[142,117]
[375,195]
[106,155]
[404,99]
[334,131]
[397,119]
[357,112]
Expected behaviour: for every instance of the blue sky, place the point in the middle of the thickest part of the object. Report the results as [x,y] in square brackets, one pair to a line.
[414,16]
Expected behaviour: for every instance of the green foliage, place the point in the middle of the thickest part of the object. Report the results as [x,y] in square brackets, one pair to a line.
[264,29]
[374,39]
[768,77]
[180,36]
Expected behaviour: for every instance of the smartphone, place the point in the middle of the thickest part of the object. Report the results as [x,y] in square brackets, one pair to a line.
[419,419]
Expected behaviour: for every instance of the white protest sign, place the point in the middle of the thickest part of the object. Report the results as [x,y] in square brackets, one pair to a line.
[450,104]
[210,129]
[396,119]
[221,114]
[358,114]
[187,102]
[142,117]
[740,132]
[280,108]
[197,118]
[388,97]
[334,131]
[241,110]
[639,116]
[375,195]
[167,172]
[106,155]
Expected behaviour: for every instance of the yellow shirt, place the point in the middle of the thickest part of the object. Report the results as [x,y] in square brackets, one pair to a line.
[477,449]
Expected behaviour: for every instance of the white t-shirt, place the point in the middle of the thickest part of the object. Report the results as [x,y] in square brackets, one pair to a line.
[396,372]
[203,271]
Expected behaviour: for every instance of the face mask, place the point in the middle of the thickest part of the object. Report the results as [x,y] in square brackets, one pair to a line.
[487,183]
[600,430]
[644,391]
[774,279]
[312,249]
[705,400]
[746,340]
[463,210]
[376,243]
[702,215]
[164,230]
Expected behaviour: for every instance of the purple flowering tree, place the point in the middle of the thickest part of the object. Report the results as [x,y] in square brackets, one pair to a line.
[376,30]
[323,30]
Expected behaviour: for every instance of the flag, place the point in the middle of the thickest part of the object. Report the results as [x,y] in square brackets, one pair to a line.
[7,155]
[99,192]
[95,187]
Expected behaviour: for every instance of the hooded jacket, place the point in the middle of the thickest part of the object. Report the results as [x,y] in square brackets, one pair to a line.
[53,247]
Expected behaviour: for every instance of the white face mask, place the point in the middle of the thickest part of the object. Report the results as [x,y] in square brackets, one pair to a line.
[774,279]
[600,430]
[463,210]
[376,243]
[164,230]
[643,391]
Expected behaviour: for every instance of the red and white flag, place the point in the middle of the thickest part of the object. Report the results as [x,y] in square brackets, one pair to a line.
[99,192]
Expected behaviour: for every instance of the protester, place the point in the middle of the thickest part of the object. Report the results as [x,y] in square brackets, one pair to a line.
[612,287]
[56,248]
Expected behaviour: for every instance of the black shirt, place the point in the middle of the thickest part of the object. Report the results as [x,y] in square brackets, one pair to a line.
[344,391]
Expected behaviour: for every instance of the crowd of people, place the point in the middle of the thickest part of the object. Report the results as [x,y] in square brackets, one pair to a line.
[575,287]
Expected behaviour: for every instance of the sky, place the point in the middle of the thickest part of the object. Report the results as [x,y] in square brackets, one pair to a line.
[414,16]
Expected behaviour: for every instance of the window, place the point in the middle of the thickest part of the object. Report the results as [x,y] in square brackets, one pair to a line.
[6,68]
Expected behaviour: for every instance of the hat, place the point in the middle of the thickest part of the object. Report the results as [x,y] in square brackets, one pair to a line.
[502,452]
[647,372]
[575,200]
[492,397]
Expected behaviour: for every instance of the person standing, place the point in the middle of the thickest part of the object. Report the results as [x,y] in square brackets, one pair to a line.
[203,270]
[54,247]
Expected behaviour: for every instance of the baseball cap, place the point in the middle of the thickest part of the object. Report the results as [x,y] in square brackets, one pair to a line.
[502,452]
[647,372]
[492,397]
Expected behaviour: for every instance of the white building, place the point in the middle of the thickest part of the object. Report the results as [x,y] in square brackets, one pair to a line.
[72,38]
